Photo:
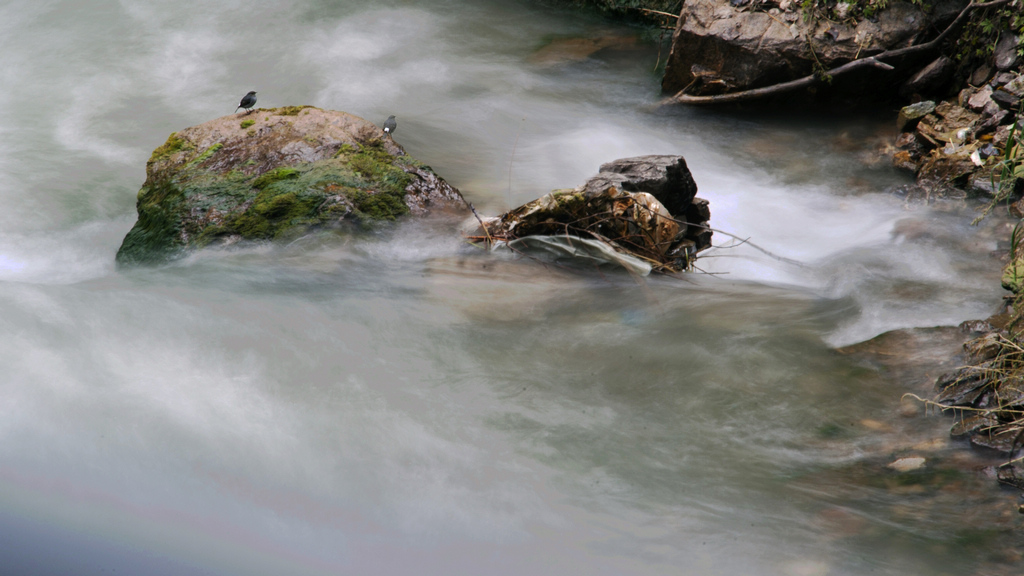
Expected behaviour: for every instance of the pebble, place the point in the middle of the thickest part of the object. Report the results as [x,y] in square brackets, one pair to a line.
[875,425]
[908,464]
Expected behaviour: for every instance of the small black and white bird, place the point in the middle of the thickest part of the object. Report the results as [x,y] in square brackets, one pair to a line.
[390,125]
[248,101]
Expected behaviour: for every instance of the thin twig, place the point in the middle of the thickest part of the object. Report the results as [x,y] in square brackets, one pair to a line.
[658,12]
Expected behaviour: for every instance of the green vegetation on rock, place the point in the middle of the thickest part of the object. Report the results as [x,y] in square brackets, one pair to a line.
[247,123]
[207,153]
[367,183]
[212,183]
[173,145]
[275,175]
[288,110]
[977,40]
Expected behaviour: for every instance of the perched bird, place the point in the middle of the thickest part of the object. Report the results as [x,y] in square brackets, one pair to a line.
[390,125]
[248,101]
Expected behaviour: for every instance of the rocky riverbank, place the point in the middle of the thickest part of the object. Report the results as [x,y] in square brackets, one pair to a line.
[958,68]
[967,145]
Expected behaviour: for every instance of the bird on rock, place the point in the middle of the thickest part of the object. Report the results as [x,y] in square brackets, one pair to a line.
[390,125]
[248,101]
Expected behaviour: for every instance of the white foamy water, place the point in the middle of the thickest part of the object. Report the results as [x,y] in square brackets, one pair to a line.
[402,403]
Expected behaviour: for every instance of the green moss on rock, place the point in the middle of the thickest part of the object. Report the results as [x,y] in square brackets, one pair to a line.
[275,175]
[171,146]
[207,153]
[289,110]
[230,186]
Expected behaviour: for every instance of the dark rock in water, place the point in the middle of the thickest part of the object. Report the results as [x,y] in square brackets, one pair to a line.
[963,387]
[998,439]
[981,184]
[665,177]
[1007,475]
[930,79]
[984,348]
[976,326]
[274,174]
[940,169]
[910,115]
[1005,54]
[905,160]
[909,151]
[625,207]
[973,424]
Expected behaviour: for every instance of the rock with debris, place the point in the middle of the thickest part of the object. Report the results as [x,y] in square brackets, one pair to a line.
[911,114]
[967,146]
[273,174]
[720,47]
[644,207]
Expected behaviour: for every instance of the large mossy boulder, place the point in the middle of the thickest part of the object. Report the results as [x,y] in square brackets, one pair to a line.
[273,174]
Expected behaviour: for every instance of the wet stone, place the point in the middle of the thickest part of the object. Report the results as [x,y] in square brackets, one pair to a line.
[963,387]
[972,424]
[910,115]
[984,348]
[976,326]
[1002,440]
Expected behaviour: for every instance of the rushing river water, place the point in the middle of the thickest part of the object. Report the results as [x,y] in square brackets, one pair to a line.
[402,403]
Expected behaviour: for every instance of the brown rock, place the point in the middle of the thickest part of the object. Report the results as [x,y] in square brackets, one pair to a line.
[981,75]
[625,206]
[983,348]
[980,99]
[929,79]
[940,168]
[955,116]
[741,49]
[905,161]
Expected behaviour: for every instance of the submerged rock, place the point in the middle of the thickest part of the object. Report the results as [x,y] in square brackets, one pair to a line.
[644,207]
[275,173]
[908,464]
